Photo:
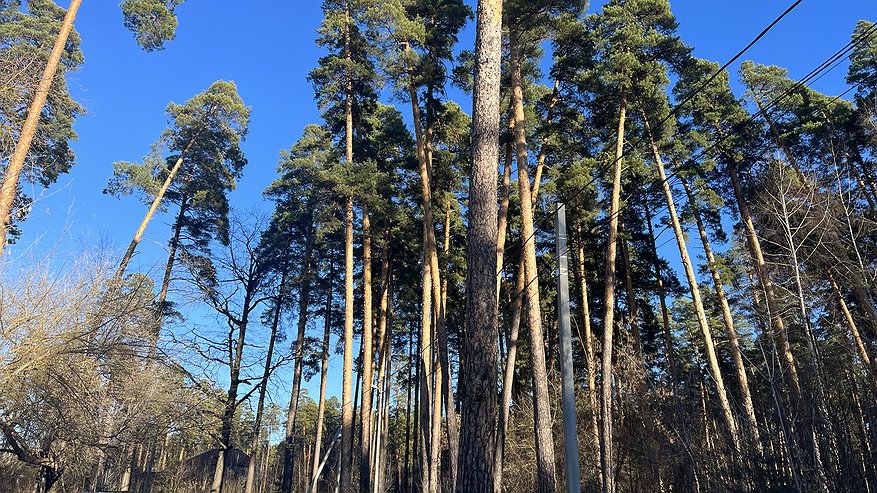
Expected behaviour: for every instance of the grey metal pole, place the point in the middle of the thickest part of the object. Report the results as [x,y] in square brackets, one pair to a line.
[570,436]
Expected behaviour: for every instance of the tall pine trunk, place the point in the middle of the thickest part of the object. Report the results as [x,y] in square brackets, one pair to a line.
[587,337]
[691,277]
[508,377]
[662,299]
[365,415]
[727,318]
[545,470]
[347,390]
[16,163]
[606,460]
[129,253]
[478,388]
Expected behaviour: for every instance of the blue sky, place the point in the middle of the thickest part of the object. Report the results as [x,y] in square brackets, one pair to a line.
[268,48]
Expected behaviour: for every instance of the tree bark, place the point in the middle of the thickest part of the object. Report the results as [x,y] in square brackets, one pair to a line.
[781,336]
[129,253]
[171,258]
[606,460]
[228,415]
[632,306]
[508,378]
[727,318]
[546,481]
[703,323]
[478,372]
[346,457]
[25,138]
[587,338]
[365,415]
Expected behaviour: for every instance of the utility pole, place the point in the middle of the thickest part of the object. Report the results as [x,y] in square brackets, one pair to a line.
[567,382]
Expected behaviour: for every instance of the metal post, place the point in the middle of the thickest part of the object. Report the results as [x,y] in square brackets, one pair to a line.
[570,436]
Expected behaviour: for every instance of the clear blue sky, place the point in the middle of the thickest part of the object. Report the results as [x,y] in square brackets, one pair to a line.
[268,48]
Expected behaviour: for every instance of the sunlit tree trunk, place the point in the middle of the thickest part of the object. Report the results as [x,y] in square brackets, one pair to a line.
[606,460]
[129,253]
[727,318]
[546,474]
[703,323]
[347,390]
[16,162]
[478,389]
[662,299]
[365,415]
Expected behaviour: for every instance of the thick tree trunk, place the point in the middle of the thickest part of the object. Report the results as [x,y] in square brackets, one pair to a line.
[260,406]
[25,138]
[606,459]
[727,318]
[545,470]
[365,414]
[703,323]
[292,410]
[478,372]
[324,368]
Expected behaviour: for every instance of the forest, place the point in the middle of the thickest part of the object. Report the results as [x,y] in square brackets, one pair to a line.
[605,269]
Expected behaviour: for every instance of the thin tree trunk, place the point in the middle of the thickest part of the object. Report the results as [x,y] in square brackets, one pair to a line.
[365,415]
[727,318]
[508,378]
[426,373]
[257,425]
[776,321]
[34,111]
[854,330]
[662,299]
[324,368]
[292,411]
[587,339]
[431,251]
[478,388]
[126,259]
[709,346]
[632,306]
[228,416]
[606,459]
[502,218]
[545,470]
[171,258]
[346,463]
